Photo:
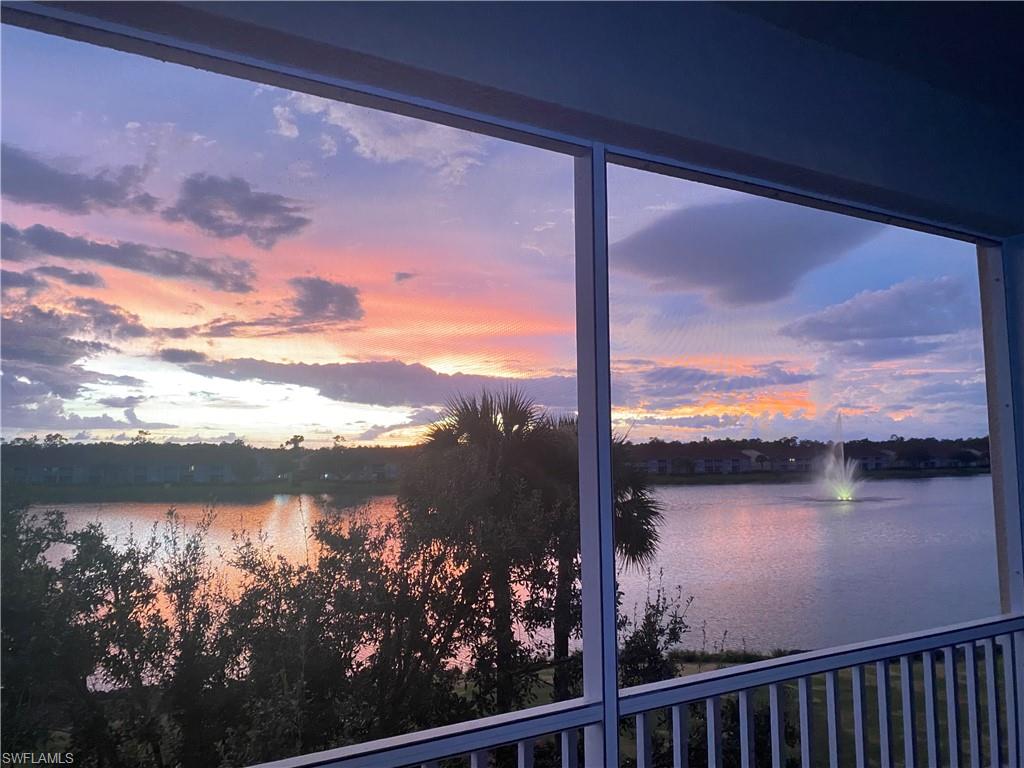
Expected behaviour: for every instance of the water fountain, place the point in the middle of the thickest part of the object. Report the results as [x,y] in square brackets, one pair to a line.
[839,474]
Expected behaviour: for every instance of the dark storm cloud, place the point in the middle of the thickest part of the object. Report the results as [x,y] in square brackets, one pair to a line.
[319,299]
[913,308]
[42,365]
[27,280]
[130,401]
[418,418]
[665,386]
[24,385]
[948,390]
[393,383]
[28,179]
[49,413]
[125,381]
[746,252]
[39,336]
[414,385]
[225,274]
[900,321]
[885,349]
[109,320]
[42,353]
[389,383]
[13,245]
[70,276]
[698,421]
[171,355]
[230,207]
[317,304]
[43,350]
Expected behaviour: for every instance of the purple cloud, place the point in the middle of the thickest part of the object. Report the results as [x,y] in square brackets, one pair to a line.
[230,207]
[738,253]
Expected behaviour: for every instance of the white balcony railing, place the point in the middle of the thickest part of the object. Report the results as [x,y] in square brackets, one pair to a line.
[993,725]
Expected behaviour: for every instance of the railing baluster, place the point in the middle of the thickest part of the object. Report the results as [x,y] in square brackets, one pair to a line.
[974,736]
[481,759]
[775,708]
[681,736]
[746,730]
[570,751]
[714,717]
[909,710]
[1013,711]
[992,701]
[860,738]
[806,729]
[884,715]
[832,705]
[524,754]
[643,741]
[949,668]
[931,710]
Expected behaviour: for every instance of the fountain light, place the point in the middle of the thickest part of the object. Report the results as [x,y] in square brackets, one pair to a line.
[839,474]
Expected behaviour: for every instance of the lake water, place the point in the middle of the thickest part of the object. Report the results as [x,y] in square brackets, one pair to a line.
[766,564]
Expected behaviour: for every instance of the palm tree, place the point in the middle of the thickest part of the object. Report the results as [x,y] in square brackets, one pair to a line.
[638,516]
[500,479]
[474,488]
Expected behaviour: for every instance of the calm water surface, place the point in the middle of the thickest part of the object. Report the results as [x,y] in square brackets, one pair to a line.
[765,563]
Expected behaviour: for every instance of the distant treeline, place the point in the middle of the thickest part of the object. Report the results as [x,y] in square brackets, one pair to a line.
[53,460]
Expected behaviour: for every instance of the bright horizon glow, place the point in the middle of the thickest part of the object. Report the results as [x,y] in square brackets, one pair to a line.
[303,266]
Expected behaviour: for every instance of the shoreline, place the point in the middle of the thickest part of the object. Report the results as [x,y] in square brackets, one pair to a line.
[56,494]
[171,494]
[787,478]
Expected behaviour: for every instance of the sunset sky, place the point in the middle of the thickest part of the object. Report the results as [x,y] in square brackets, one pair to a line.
[209,259]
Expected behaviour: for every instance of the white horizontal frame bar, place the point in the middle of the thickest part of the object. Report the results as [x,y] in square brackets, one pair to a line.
[452,740]
[720,682]
[54,20]
[668,166]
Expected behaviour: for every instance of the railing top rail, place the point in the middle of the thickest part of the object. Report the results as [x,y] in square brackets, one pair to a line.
[456,739]
[490,732]
[641,698]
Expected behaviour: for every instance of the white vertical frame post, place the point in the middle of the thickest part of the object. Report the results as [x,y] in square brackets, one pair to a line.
[597,534]
[1001,272]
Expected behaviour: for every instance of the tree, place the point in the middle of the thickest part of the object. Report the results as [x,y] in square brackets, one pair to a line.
[637,518]
[142,438]
[54,440]
[113,601]
[294,442]
[470,491]
[500,479]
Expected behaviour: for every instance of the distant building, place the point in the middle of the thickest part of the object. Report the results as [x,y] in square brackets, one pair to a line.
[869,457]
[723,457]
